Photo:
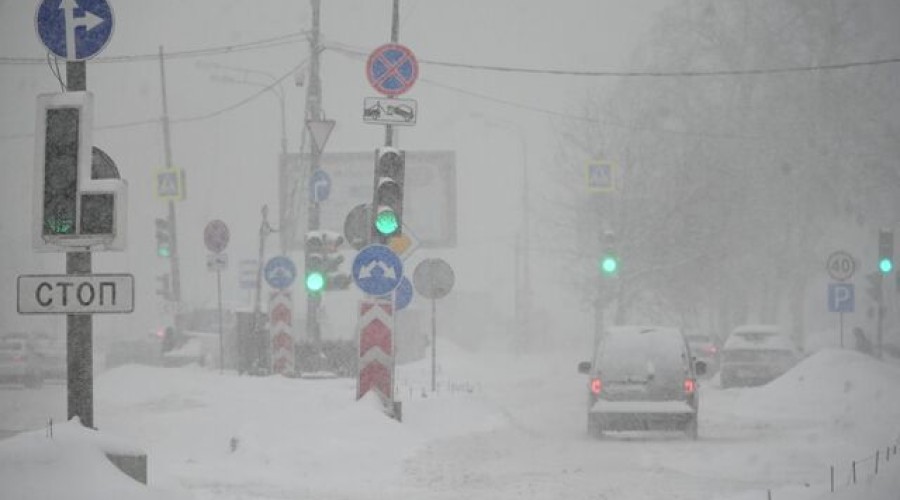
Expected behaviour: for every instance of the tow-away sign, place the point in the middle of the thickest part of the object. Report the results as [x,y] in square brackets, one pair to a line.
[74,294]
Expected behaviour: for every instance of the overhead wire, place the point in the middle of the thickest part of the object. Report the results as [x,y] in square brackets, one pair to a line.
[188,119]
[349,50]
[265,43]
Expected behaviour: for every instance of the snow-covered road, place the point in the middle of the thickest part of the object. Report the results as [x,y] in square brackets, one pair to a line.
[501,427]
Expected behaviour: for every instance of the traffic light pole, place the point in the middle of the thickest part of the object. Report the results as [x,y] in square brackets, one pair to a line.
[79,327]
[313,113]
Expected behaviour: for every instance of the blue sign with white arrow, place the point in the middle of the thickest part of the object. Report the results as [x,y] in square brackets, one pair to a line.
[377,270]
[280,272]
[403,295]
[74,29]
[319,185]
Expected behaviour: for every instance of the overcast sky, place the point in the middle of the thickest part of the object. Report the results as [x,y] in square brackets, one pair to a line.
[231,159]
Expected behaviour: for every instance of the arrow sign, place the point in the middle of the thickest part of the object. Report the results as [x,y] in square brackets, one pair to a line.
[74,29]
[376,348]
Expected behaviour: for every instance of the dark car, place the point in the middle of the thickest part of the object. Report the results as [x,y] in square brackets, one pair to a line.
[642,378]
[705,348]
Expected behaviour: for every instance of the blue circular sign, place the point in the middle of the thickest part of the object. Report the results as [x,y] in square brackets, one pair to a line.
[377,270]
[319,185]
[392,69]
[280,272]
[74,29]
[403,295]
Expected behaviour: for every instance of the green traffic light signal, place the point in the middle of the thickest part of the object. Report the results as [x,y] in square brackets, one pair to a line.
[609,264]
[163,251]
[386,222]
[885,265]
[315,281]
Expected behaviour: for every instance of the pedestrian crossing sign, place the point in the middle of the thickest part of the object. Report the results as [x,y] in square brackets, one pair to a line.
[601,176]
[170,184]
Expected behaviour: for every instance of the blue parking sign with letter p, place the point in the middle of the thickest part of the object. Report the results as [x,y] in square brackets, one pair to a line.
[840,297]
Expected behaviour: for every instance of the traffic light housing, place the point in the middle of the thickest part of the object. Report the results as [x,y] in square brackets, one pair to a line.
[164,290]
[609,258]
[163,238]
[873,289]
[387,201]
[322,263]
[885,251]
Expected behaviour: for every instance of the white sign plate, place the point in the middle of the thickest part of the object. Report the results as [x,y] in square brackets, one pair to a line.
[74,294]
[217,261]
[387,111]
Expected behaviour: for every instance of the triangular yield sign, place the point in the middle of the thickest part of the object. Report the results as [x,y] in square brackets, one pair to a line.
[320,130]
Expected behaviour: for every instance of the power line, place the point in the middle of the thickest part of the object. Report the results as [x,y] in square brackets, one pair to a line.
[640,74]
[266,43]
[187,119]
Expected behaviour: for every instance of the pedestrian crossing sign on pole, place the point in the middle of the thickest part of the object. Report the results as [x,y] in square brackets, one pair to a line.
[170,184]
[601,176]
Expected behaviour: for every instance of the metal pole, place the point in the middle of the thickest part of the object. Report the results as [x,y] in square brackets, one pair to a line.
[433,343]
[395,37]
[842,328]
[79,327]
[314,113]
[221,347]
[167,143]
[256,332]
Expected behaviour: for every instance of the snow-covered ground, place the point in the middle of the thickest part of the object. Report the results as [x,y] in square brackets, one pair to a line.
[501,426]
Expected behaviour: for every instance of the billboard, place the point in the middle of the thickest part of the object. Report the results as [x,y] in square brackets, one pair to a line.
[429,193]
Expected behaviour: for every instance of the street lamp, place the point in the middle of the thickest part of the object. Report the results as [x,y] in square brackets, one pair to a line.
[523,297]
[275,88]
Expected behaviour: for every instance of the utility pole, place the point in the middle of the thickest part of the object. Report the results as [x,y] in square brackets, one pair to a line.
[79,327]
[313,113]
[395,37]
[167,142]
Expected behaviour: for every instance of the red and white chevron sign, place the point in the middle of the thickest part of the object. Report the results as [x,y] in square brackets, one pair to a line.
[376,349]
[280,324]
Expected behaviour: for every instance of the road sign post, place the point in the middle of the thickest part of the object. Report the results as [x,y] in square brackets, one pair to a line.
[433,279]
[70,154]
[216,237]
[841,299]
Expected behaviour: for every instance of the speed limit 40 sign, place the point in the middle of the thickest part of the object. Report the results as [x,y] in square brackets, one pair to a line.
[840,266]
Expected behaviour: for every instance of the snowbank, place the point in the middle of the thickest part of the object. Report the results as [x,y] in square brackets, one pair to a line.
[71,464]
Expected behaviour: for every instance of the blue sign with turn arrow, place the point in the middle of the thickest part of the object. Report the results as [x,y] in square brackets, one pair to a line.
[377,270]
[74,29]
[319,185]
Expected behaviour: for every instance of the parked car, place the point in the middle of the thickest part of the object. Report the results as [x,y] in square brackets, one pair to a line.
[642,378]
[19,363]
[756,355]
[705,348]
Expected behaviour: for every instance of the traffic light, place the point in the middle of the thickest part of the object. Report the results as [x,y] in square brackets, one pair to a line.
[609,264]
[164,290]
[387,202]
[322,262]
[163,238]
[609,259]
[874,286]
[885,251]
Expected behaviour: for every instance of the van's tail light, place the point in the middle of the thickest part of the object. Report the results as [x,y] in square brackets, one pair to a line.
[596,386]
[711,350]
[690,385]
